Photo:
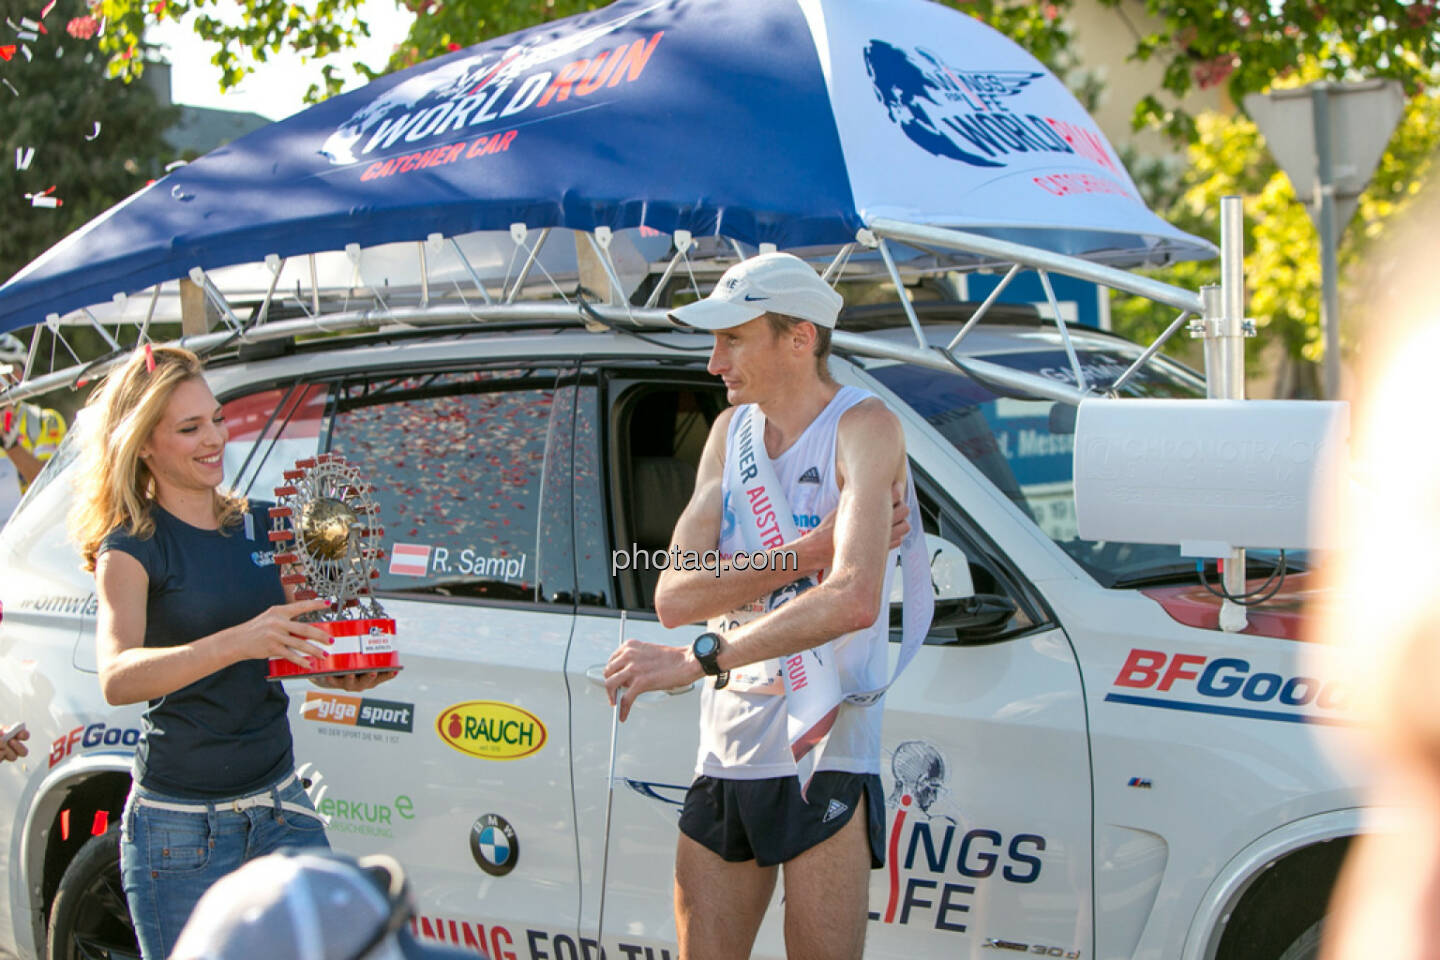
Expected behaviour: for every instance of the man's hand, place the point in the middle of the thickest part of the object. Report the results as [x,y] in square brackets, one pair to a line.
[354,682]
[12,743]
[817,548]
[638,666]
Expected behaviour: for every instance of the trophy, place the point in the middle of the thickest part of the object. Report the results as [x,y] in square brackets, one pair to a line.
[327,544]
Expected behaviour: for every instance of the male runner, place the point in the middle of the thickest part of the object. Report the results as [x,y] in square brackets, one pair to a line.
[831,452]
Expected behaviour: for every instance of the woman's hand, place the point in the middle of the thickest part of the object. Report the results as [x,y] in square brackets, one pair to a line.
[277,634]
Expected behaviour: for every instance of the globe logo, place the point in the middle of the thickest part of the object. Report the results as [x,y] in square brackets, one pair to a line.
[933,104]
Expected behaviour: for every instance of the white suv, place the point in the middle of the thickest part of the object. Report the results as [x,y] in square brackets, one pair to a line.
[1078,763]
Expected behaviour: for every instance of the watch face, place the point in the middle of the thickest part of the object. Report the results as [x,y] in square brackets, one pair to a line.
[705,645]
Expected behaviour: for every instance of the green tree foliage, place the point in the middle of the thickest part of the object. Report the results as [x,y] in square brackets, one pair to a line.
[1245,46]
[63,91]
[1282,267]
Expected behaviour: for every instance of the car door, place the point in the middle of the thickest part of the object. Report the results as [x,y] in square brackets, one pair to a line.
[639,432]
[987,773]
[460,766]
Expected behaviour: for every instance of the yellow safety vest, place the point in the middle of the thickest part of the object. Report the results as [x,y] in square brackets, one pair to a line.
[41,431]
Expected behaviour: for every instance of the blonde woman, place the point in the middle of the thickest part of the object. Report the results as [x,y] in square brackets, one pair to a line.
[190,608]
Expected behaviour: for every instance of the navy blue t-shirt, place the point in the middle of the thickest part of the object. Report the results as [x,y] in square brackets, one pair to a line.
[227,734]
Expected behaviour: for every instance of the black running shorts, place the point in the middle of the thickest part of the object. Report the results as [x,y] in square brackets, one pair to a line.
[766,821]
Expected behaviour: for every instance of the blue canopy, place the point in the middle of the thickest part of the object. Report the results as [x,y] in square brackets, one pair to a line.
[790,122]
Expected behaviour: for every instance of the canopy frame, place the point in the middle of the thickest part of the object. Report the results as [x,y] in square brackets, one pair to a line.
[881,236]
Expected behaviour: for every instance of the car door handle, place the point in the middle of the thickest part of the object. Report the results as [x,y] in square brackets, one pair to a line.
[596,675]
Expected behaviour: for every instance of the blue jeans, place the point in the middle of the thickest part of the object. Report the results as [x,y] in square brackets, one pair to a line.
[168,858]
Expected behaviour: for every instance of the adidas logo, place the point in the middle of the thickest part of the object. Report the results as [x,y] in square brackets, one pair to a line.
[810,476]
[836,809]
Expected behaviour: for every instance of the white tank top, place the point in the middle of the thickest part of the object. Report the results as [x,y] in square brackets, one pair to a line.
[742,735]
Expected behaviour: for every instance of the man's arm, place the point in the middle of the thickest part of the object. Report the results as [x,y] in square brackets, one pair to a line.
[870,451]
[27,465]
[687,596]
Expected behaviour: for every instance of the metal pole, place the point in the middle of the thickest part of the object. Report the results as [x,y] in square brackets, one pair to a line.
[1150,351]
[904,297]
[1232,289]
[1329,238]
[1231,356]
[609,803]
[985,307]
[1037,259]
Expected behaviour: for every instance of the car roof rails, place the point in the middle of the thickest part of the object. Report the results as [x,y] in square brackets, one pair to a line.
[527,277]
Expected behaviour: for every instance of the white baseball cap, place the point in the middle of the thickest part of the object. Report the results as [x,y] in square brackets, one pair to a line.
[772,282]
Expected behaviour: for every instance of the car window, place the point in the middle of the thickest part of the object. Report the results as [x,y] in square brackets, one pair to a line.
[1025,447]
[456,460]
[291,416]
[655,429]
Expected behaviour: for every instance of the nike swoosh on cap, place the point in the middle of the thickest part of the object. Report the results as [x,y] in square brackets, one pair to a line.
[749,298]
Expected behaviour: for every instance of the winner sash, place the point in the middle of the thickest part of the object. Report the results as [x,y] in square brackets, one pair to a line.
[812,688]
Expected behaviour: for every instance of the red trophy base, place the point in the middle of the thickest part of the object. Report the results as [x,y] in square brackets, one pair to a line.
[360,646]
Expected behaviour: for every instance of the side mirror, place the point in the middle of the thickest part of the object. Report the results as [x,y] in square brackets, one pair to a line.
[949,572]
[959,611]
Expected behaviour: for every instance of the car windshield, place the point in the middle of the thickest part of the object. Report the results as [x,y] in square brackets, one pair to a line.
[1025,446]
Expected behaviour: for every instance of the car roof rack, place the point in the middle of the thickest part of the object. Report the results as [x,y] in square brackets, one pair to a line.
[556,274]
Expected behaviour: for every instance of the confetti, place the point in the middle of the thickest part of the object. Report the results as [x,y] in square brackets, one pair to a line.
[28,35]
[48,7]
[95,133]
[50,203]
[10,85]
[43,199]
[23,156]
[29,24]
[149,359]
[7,51]
[26,50]
[82,28]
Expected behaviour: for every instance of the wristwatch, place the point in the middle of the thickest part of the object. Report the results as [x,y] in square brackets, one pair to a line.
[706,649]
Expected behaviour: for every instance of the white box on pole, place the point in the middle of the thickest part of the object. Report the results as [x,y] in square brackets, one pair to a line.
[1208,473]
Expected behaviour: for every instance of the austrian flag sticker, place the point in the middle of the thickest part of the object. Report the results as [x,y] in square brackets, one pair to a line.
[410,560]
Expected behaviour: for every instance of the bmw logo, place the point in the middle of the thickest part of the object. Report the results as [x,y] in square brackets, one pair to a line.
[494,845]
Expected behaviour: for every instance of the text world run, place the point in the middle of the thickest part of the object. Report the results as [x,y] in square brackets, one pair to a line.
[483,104]
[997,134]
